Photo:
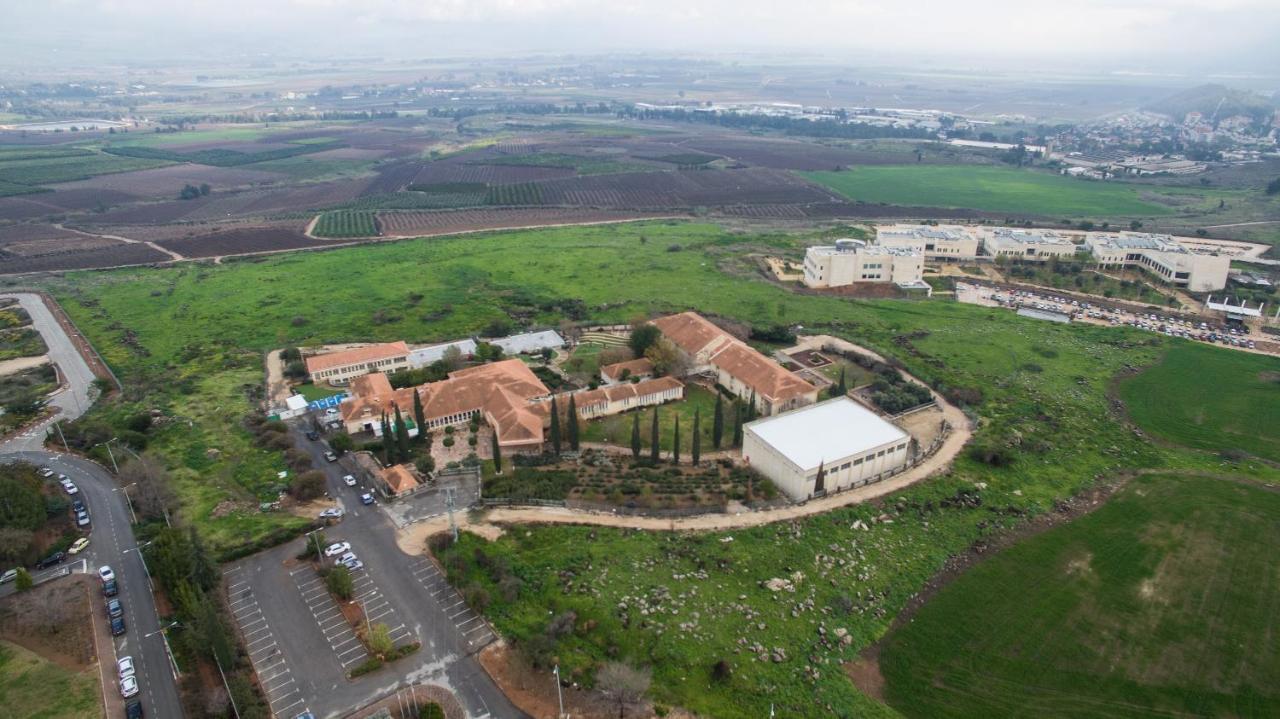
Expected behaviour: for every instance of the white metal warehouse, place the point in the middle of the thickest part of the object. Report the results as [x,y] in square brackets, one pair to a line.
[852,444]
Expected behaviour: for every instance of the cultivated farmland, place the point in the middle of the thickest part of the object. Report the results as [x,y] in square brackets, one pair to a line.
[346,223]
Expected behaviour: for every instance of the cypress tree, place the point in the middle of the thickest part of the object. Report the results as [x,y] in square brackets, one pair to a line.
[717,423]
[635,436]
[751,407]
[675,443]
[555,426]
[419,416]
[402,437]
[820,484]
[696,451]
[386,440]
[653,438]
[737,423]
[573,423]
[497,453]
[841,388]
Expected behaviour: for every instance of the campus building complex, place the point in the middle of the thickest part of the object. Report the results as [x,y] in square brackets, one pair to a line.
[1163,256]
[940,242]
[840,439]
[850,261]
[339,367]
[1025,244]
[736,366]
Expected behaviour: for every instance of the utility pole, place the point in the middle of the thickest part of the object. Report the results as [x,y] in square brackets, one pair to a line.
[225,686]
[58,426]
[559,695]
[453,526]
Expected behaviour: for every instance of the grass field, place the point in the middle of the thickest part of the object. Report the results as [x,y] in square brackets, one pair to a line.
[1161,603]
[21,342]
[1196,397]
[314,392]
[189,339]
[35,688]
[1001,189]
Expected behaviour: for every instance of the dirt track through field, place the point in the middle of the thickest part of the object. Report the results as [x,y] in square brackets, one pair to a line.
[412,539]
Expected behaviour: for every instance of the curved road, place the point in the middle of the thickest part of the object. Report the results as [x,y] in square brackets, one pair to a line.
[111,536]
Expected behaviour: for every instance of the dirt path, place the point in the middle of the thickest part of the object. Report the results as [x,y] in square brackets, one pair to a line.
[126,240]
[277,388]
[412,539]
[18,364]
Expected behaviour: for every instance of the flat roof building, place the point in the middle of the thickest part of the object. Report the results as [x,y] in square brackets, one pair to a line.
[1025,244]
[423,356]
[1163,256]
[935,242]
[850,261]
[852,445]
[529,342]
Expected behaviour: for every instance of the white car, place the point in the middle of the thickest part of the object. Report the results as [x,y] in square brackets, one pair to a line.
[78,546]
[345,559]
[8,576]
[332,513]
[105,573]
[46,473]
[125,667]
[349,480]
[129,686]
[337,548]
[71,488]
[332,411]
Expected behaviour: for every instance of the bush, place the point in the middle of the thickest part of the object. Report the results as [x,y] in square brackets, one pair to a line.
[23,581]
[372,664]
[307,485]
[431,711]
[477,597]
[425,464]
[339,582]
[448,441]
[341,444]
[380,639]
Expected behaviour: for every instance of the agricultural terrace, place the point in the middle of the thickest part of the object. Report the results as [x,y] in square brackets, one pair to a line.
[1197,398]
[1160,603]
[189,340]
[1007,189]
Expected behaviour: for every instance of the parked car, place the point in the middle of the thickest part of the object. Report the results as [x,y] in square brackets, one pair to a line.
[78,546]
[349,480]
[129,686]
[78,506]
[337,548]
[52,559]
[332,411]
[124,667]
[109,588]
[330,456]
[105,573]
[82,519]
[348,557]
[70,487]
[114,608]
[353,565]
[117,626]
[332,513]
[366,498]
[8,576]
[46,473]
[133,710]
[313,435]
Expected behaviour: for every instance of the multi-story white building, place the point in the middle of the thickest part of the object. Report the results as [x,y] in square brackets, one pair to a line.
[935,242]
[1163,256]
[850,261]
[1025,244]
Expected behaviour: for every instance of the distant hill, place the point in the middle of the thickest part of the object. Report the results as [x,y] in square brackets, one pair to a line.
[1215,102]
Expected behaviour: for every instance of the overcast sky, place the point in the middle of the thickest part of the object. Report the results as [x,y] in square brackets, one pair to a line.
[1156,35]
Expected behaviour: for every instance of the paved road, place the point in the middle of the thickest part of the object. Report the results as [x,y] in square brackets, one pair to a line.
[69,403]
[406,587]
[111,542]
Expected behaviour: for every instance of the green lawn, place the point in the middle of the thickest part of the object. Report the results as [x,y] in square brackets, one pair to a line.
[617,429]
[1161,603]
[32,687]
[1199,397]
[314,392]
[997,189]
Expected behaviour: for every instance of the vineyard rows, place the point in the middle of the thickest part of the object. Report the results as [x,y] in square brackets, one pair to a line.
[347,223]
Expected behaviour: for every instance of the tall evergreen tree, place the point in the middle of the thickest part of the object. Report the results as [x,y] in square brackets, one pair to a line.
[695,453]
[555,426]
[419,417]
[751,407]
[653,438]
[675,443]
[737,423]
[842,389]
[573,423]
[402,437]
[387,440]
[635,435]
[204,571]
[497,453]
[717,423]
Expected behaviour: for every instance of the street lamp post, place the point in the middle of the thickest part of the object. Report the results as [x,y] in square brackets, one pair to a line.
[559,695]
[227,687]
[128,500]
[110,454]
[173,663]
[143,557]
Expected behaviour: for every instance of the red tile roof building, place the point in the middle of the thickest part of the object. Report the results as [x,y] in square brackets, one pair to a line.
[341,366]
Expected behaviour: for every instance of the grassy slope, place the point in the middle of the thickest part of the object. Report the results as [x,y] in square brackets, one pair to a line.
[995,189]
[34,688]
[1163,602]
[1200,398]
[202,330]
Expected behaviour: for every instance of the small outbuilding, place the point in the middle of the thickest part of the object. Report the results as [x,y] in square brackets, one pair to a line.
[847,443]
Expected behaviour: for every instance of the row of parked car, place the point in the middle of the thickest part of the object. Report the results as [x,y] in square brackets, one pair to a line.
[341,554]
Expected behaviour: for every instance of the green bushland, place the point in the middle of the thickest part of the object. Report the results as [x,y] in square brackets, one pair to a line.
[189,340]
[33,686]
[346,223]
[21,342]
[1201,397]
[1002,189]
[10,189]
[1160,603]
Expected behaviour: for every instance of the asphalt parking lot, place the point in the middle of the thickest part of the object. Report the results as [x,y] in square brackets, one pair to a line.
[333,625]
[275,674]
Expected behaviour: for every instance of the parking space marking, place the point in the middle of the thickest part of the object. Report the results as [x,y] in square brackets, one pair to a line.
[346,646]
[274,675]
[470,625]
